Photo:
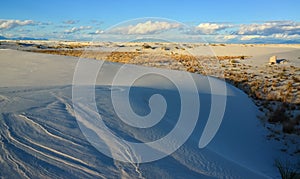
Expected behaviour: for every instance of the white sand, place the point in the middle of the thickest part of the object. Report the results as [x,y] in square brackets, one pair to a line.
[35,95]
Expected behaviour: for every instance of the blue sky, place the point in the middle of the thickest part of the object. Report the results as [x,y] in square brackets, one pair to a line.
[274,20]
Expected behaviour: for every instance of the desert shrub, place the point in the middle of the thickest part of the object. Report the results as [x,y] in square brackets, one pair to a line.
[281,75]
[271,96]
[292,107]
[296,79]
[165,48]
[278,115]
[234,61]
[146,46]
[288,127]
[289,85]
[287,170]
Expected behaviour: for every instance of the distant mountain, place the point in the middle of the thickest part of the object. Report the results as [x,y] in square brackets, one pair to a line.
[28,38]
[3,38]
[149,40]
[21,38]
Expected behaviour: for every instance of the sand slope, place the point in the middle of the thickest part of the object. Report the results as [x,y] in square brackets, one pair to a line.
[40,137]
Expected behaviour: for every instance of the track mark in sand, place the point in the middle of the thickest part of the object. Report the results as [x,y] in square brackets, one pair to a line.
[56,152]
[16,164]
[131,154]
[114,145]
[45,130]
[3,98]
[19,144]
[68,107]
[137,169]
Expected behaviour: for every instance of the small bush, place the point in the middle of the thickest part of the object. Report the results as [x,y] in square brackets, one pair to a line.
[278,115]
[165,48]
[146,46]
[296,79]
[288,127]
[287,170]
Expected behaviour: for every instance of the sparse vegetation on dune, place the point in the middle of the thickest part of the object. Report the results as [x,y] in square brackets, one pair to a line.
[275,90]
[241,57]
[122,57]
[75,53]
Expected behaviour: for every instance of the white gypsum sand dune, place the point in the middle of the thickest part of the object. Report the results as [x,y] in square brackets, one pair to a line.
[40,136]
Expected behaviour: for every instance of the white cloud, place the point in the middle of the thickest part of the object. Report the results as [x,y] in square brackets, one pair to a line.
[250,37]
[277,31]
[230,37]
[208,28]
[77,29]
[269,28]
[274,37]
[265,32]
[211,28]
[149,27]
[99,32]
[285,36]
[9,24]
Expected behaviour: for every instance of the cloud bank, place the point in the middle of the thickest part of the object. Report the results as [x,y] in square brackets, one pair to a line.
[279,31]
[264,32]
[148,27]
[269,28]
[77,29]
[210,28]
[10,24]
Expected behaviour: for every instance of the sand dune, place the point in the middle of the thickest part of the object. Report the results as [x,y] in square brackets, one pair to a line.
[40,137]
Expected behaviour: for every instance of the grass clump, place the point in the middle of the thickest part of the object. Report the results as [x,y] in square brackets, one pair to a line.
[287,170]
